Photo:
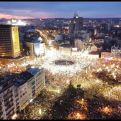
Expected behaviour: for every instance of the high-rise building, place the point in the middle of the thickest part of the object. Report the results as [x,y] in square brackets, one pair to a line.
[76,24]
[9,41]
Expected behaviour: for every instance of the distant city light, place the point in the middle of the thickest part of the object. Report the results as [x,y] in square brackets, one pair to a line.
[117,26]
[17,22]
[77,17]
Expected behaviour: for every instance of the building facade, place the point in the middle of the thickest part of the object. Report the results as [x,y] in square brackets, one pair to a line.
[9,41]
[17,91]
[8,106]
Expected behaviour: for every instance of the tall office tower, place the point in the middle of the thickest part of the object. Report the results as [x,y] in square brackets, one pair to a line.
[76,24]
[9,41]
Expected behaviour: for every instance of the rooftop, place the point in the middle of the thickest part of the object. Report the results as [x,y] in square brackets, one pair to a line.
[33,71]
[20,79]
[17,79]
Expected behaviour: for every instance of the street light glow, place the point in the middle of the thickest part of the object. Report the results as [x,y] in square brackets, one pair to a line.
[31,100]
[14,116]
[40,111]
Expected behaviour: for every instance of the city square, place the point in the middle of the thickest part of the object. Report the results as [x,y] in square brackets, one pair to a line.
[101,90]
[60,63]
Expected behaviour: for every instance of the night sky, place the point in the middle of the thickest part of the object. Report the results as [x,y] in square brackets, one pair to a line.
[59,9]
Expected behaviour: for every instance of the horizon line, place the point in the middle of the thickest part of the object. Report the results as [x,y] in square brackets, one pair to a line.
[59,18]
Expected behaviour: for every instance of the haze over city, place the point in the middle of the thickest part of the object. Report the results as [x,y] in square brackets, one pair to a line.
[23,10]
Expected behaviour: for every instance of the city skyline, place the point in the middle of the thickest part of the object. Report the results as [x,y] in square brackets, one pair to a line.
[23,10]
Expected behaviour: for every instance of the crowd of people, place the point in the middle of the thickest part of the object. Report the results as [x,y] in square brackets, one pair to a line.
[99,105]
[101,98]
[73,105]
[80,61]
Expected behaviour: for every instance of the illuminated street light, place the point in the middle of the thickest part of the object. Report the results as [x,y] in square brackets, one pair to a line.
[68,81]
[14,116]
[58,91]
[31,100]
[40,111]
